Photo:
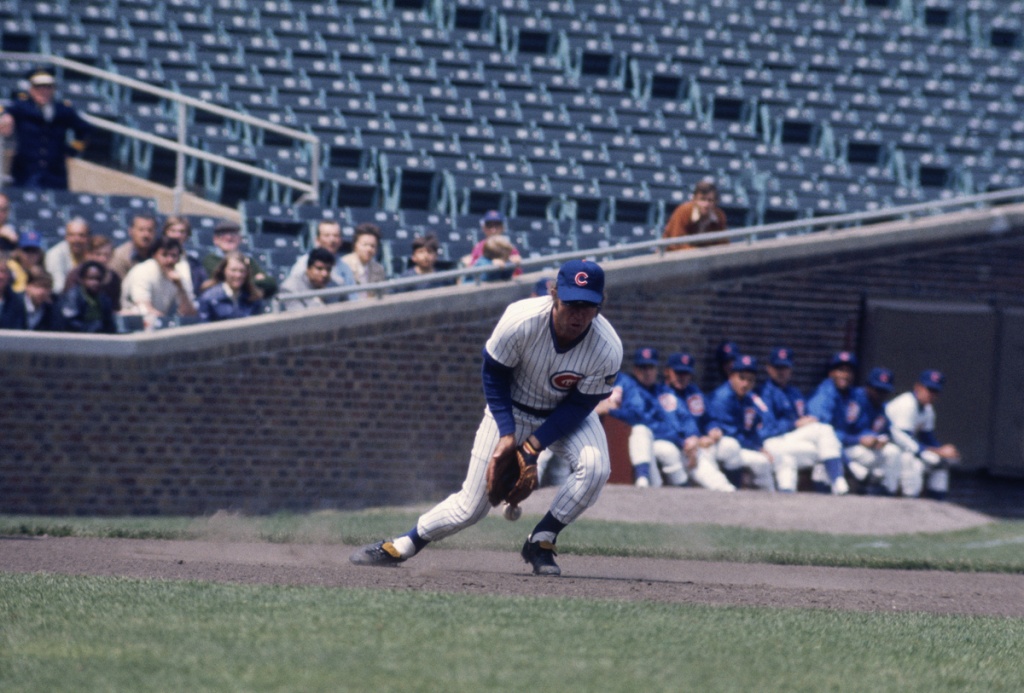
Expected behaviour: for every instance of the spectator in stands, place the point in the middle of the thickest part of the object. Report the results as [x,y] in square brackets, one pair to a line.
[227,238]
[12,303]
[189,267]
[328,237]
[29,254]
[138,247]
[715,448]
[871,457]
[735,410]
[40,311]
[925,461]
[833,403]
[700,214]
[362,260]
[795,439]
[69,253]
[492,224]
[101,250]
[230,293]
[317,276]
[9,238]
[498,252]
[40,126]
[154,289]
[424,264]
[85,307]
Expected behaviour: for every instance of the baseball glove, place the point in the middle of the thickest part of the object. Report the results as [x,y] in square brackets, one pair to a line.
[512,477]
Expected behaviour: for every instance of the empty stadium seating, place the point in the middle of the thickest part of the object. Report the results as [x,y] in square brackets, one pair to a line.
[598,116]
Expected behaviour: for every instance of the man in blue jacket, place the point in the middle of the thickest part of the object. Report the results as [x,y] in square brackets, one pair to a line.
[660,444]
[796,439]
[40,126]
[871,456]
[741,414]
[833,402]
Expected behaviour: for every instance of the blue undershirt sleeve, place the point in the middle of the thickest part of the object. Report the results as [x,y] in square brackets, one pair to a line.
[497,379]
[566,417]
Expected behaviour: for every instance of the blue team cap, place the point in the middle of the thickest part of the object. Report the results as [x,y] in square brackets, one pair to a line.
[492,216]
[881,379]
[681,362]
[645,356]
[932,379]
[726,352]
[30,239]
[541,287]
[781,357]
[744,363]
[842,358]
[581,280]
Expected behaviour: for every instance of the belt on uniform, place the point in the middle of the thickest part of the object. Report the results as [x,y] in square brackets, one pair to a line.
[539,413]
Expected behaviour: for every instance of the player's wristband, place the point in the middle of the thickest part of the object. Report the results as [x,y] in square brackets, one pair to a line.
[528,454]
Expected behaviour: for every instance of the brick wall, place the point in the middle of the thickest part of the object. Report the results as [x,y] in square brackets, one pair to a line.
[377,403]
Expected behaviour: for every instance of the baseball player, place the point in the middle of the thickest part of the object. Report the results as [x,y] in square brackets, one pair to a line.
[658,441]
[833,403]
[741,414]
[913,428]
[871,456]
[715,448]
[795,439]
[548,363]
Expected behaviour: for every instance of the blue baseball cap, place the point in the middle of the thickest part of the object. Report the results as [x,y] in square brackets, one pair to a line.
[881,379]
[492,216]
[932,379]
[842,358]
[781,357]
[727,351]
[744,363]
[30,239]
[581,280]
[645,356]
[541,287]
[681,362]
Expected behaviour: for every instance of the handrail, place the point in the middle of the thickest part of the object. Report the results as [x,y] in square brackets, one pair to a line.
[310,189]
[659,245]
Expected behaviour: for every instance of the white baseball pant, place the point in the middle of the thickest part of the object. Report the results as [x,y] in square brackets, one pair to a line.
[871,465]
[801,448]
[733,456]
[585,449]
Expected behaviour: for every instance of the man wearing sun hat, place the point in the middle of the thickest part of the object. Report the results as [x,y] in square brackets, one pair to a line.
[913,427]
[40,126]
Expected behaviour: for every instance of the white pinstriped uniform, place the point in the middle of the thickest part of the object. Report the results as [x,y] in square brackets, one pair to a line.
[542,377]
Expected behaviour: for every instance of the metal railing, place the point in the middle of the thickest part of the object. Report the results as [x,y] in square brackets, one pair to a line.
[310,190]
[749,235]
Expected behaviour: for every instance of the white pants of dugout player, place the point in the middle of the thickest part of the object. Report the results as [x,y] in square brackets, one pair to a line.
[914,471]
[585,450]
[802,448]
[732,456]
[875,466]
[666,456]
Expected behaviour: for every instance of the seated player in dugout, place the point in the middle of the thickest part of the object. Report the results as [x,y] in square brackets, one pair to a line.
[700,214]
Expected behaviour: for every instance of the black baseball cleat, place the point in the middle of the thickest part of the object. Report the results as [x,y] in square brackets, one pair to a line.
[541,555]
[382,553]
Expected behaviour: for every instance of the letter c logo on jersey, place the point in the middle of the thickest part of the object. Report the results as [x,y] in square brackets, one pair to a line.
[581,278]
[565,380]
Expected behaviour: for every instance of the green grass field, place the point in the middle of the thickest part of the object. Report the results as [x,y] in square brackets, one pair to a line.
[60,633]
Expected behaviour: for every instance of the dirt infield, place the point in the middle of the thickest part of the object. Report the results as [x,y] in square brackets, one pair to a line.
[503,573]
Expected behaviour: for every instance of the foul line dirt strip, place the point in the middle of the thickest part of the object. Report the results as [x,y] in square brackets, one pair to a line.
[504,574]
